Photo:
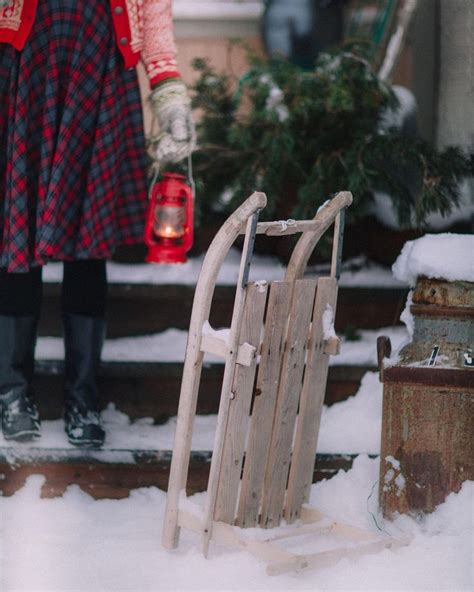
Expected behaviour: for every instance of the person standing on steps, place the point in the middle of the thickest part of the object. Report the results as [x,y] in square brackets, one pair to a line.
[73,178]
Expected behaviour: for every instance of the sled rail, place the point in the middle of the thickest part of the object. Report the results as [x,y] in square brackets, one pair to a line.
[213,260]
[279,561]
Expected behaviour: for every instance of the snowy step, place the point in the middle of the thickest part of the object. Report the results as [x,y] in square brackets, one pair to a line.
[141,309]
[147,389]
[142,375]
[145,299]
[139,389]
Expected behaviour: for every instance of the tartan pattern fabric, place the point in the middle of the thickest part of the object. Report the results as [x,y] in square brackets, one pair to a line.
[72,153]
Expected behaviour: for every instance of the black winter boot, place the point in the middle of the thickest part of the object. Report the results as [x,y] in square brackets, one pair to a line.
[18,412]
[83,339]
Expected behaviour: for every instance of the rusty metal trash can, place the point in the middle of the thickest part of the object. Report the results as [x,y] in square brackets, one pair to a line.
[427,448]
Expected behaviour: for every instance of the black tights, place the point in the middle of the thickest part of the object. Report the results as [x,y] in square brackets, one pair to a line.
[84,290]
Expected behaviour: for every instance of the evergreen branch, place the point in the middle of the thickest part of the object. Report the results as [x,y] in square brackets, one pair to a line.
[300,136]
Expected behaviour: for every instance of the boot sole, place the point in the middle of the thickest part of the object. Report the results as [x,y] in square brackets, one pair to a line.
[26,436]
[86,444]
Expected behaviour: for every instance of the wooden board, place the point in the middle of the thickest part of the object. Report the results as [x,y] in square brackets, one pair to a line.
[239,408]
[278,462]
[228,380]
[312,397]
[263,409]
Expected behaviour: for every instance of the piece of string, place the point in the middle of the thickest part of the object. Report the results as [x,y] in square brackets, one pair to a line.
[151,143]
[371,513]
[156,174]
[285,223]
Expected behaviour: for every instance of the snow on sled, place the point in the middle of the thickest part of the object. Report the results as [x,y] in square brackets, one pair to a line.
[276,362]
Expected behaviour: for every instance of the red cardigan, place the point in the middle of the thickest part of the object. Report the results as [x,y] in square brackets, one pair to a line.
[143,29]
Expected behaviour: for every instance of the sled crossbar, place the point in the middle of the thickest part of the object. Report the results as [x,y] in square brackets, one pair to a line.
[276,357]
[285,227]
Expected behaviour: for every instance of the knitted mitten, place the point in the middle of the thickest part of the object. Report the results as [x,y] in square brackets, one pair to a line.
[171,106]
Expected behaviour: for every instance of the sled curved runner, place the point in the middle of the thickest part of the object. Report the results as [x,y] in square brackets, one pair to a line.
[276,362]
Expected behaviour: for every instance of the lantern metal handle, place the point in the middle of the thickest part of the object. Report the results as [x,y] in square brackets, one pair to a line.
[191,182]
[190,177]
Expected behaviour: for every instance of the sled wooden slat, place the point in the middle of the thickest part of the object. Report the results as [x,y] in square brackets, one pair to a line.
[311,403]
[239,408]
[227,381]
[289,390]
[264,403]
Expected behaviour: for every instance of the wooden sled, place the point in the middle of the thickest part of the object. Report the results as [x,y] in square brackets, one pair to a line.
[276,363]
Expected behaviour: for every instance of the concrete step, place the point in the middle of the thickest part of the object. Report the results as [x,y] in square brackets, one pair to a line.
[141,309]
[151,389]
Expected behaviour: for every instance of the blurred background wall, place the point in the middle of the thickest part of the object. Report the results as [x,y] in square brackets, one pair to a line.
[455,105]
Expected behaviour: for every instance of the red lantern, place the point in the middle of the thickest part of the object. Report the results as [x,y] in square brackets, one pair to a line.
[169,229]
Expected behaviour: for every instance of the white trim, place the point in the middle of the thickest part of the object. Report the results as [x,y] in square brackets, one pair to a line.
[223,10]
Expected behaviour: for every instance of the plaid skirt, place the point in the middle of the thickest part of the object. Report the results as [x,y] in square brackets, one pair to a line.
[73,181]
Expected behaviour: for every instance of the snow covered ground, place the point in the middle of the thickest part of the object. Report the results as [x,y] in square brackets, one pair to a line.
[76,543]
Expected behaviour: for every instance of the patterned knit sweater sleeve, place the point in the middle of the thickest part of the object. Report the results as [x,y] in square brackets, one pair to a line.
[159,48]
